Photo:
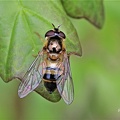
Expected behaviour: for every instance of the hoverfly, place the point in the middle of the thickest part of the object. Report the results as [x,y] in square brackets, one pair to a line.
[51,69]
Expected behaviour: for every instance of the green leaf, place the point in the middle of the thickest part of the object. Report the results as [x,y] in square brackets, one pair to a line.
[92,10]
[19,20]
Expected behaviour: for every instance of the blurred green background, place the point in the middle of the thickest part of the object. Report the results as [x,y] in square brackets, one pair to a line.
[96,77]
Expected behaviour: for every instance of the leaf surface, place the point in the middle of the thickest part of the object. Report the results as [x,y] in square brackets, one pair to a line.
[19,20]
[92,10]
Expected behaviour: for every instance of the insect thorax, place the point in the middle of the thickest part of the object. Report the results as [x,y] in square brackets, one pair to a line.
[54,47]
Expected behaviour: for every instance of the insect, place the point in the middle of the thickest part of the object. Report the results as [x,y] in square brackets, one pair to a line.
[50,69]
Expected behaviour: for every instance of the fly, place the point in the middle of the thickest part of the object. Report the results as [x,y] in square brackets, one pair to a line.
[50,70]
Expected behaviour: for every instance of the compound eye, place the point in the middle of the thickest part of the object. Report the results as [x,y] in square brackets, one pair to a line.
[50,33]
[62,35]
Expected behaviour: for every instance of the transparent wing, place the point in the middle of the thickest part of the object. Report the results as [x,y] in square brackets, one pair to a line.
[65,83]
[32,78]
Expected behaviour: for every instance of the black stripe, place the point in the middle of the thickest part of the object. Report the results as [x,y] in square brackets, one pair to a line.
[51,77]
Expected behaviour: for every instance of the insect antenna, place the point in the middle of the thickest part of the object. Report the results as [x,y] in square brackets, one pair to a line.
[56,29]
[59,26]
[53,26]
